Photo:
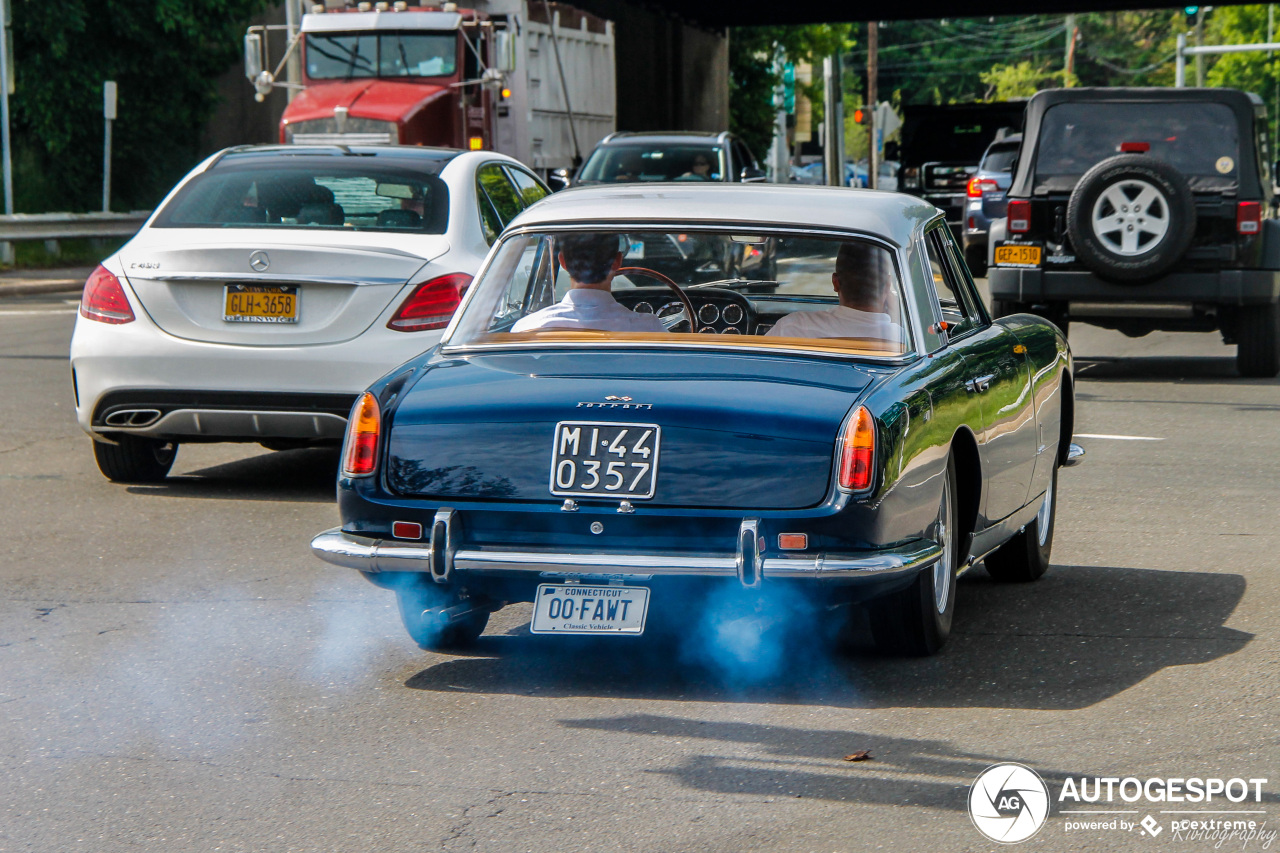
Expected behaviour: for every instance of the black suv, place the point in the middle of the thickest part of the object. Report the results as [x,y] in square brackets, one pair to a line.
[1145,209]
[670,156]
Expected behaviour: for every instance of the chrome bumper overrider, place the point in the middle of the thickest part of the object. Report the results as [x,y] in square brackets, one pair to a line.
[748,565]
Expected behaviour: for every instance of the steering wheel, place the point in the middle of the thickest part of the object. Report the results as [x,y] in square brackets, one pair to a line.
[680,294]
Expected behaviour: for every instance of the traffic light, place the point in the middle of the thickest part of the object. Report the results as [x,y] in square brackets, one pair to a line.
[1192,13]
[861,115]
[789,88]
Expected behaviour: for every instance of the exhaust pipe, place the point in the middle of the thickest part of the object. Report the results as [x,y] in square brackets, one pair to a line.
[445,616]
[132,417]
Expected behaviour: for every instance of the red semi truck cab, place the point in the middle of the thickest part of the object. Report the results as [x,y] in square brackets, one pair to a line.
[408,75]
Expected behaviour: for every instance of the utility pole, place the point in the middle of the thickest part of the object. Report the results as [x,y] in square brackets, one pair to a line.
[1069,64]
[833,122]
[1275,116]
[292,68]
[108,116]
[6,80]
[873,92]
[1200,43]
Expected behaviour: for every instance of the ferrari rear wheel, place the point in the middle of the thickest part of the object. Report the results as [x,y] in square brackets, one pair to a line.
[917,620]
[428,633]
[135,459]
[1025,557]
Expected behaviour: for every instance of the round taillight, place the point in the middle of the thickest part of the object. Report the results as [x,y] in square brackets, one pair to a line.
[104,300]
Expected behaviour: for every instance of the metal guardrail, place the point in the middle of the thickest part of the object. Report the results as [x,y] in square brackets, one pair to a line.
[17,227]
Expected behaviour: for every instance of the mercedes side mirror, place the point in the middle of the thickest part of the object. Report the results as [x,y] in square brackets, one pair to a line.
[558,179]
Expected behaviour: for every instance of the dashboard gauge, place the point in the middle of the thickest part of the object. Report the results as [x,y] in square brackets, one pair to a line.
[733,314]
[707,330]
[670,309]
[730,330]
[708,313]
[643,308]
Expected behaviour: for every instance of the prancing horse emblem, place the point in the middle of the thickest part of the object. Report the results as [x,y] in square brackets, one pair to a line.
[616,399]
[259,261]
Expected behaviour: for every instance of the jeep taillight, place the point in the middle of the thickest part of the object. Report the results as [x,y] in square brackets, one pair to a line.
[1248,217]
[104,299]
[978,186]
[360,455]
[1019,216]
[431,305]
[858,452]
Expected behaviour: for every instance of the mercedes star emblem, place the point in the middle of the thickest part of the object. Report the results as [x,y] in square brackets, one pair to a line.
[259,261]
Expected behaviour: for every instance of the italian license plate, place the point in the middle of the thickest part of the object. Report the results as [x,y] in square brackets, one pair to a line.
[604,460]
[266,303]
[577,609]
[1018,254]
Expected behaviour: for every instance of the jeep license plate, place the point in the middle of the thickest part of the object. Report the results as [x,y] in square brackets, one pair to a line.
[1026,255]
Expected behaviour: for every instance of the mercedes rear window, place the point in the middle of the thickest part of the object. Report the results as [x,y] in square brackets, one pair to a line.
[1200,139]
[319,192]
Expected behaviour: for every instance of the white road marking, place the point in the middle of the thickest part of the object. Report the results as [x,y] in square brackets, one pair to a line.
[1118,437]
[45,311]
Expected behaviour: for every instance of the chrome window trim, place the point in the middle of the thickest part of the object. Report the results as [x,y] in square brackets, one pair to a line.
[912,327]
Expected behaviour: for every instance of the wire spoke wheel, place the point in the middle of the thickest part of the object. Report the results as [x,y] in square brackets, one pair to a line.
[1131,217]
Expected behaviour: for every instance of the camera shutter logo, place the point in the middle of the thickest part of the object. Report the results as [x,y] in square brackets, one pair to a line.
[1008,803]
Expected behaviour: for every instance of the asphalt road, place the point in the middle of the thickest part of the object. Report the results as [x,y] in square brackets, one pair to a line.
[178,673]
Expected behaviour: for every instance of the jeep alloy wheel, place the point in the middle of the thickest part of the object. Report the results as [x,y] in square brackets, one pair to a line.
[1129,216]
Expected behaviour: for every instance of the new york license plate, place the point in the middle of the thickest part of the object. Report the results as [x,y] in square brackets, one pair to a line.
[260,303]
[591,459]
[577,609]
[1018,254]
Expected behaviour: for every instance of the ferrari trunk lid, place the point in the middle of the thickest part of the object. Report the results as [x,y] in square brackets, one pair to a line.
[260,294]
[719,430]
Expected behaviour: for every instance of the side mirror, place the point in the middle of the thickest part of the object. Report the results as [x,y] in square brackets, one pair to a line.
[504,48]
[753,176]
[558,179]
[892,150]
[252,55]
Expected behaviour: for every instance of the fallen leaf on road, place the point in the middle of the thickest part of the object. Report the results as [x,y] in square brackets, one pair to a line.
[860,755]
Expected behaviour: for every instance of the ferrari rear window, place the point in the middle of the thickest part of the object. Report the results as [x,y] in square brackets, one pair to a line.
[1196,139]
[320,192]
[761,290]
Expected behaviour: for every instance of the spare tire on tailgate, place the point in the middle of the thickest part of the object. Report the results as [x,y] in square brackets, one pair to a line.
[1131,218]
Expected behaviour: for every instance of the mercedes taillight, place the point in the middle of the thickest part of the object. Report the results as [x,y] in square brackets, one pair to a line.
[431,305]
[104,300]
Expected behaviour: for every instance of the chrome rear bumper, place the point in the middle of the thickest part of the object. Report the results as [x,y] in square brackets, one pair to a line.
[748,565]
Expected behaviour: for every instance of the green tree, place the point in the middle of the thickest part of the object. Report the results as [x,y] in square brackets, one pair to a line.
[752,77]
[1009,82]
[165,56]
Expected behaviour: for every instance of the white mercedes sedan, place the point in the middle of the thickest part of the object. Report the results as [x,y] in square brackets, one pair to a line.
[272,286]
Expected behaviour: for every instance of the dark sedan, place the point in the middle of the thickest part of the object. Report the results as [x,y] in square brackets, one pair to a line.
[858,432]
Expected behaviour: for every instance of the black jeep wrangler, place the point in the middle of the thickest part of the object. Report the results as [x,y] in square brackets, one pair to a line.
[1145,209]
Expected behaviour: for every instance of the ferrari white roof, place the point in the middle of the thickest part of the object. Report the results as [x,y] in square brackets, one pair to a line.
[892,216]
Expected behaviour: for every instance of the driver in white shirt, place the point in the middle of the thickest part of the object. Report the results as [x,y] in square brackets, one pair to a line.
[864,281]
[592,260]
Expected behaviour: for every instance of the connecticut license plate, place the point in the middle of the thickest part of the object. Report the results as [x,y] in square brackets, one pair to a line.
[1018,254]
[254,303]
[577,609]
[603,460]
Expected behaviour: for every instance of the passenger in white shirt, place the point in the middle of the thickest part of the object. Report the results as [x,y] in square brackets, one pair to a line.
[592,260]
[864,282]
